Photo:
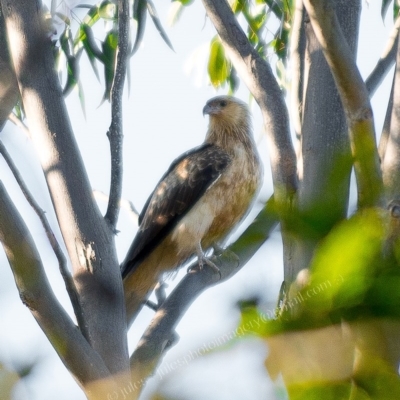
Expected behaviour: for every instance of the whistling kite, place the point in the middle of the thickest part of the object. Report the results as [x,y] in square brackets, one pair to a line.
[202,197]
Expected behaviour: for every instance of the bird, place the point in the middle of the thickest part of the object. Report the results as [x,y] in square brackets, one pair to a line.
[198,202]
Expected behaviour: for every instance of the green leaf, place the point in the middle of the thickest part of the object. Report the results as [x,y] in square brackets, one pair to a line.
[384,7]
[346,262]
[140,16]
[108,10]
[65,41]
[82,98]
[91,48]
[156,20]
[109,51]
[73,75]
[396,9]
[92,16]
[218,65]
[234,81]
[238,6]
[276,7]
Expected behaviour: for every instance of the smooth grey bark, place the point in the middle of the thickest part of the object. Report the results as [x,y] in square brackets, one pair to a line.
[386,124]
[36,293]
[8,84]
[391,160]
[88,238]
[355,99]
[62,261]
[325,163]
[297,54]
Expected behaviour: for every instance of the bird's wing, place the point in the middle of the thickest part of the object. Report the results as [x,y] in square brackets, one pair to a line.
[186,180]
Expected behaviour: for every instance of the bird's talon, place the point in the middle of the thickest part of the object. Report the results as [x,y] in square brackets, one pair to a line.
[213,267]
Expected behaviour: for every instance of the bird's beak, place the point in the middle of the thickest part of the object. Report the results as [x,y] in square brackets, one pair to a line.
[209,110]
[206,110]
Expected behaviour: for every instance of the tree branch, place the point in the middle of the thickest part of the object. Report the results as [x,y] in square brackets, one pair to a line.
[160,333]
[258,76]
[8,84]
[35,291]
[385,62]
[88,238]
[391,161]
[355,99]
[297,53]
[62,261]
[326,162]
[386,124]
[115,132]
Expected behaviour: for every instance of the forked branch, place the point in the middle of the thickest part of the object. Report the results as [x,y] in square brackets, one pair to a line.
[35,291]
[355,99]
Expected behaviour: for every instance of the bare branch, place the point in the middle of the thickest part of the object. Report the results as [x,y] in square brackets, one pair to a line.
[297,52]
[115,132]
[258,76]
[385,62]
[160,333]
[8,84]
[386,124]
[88,238]
[35,291]
[355,99]
[391,161]
[62,261]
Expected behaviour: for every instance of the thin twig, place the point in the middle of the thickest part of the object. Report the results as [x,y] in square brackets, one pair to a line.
[161,331]
[385,62]
[62,261]
[297,53]
[115,132]
[386,124]
[391,160]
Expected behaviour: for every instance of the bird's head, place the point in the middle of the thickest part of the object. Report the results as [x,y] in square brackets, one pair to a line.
[226,110]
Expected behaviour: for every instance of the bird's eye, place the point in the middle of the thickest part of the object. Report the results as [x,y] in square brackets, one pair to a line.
[222,103]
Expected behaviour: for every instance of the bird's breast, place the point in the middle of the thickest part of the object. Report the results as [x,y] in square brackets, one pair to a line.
[224,204]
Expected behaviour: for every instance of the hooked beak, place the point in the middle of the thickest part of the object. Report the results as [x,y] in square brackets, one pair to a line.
[209,110]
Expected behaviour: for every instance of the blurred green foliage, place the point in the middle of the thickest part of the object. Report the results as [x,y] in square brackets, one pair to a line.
[335,335]
[8,380]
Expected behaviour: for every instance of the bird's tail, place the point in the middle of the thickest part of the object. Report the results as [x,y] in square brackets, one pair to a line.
[137,287]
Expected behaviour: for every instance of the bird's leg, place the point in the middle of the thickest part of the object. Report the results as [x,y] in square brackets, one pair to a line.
[202,259]
[218,250]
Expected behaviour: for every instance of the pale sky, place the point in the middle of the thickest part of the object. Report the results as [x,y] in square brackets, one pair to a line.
[162,118]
